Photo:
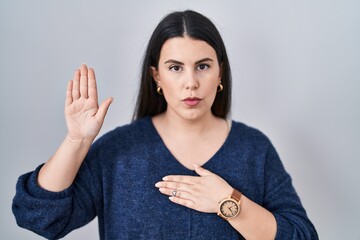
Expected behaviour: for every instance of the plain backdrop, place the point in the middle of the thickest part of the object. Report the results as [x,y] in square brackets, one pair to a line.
[296,77]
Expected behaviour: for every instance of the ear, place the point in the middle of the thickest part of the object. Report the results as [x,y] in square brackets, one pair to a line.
[220,71]
[155,74]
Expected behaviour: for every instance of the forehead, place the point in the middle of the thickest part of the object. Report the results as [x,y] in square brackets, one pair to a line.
[186,49]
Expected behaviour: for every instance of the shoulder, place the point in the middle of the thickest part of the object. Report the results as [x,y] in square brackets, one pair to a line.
[249,141]
[247,134]
[257,145]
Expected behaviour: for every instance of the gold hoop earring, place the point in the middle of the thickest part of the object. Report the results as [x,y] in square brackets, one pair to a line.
[220,88]
[159,90]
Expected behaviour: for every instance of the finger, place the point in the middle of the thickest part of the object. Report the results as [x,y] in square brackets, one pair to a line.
[84,81]
[76,85]
[103,109]
[69,98]
[176,193]
[184,202]
[92,88]
[202,171]
[175,186]
[182,179]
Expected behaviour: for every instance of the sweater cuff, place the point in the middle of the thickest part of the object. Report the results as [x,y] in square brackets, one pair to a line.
[35,190]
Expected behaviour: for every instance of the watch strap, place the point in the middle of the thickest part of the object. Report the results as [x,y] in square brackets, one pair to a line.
[236,195]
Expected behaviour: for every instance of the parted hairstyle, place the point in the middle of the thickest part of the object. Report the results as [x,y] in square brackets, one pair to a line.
[179,24]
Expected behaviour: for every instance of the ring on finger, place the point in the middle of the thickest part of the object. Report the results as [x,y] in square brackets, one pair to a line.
[174,192]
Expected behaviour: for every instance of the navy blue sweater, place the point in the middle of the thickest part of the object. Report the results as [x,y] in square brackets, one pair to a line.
[116,184]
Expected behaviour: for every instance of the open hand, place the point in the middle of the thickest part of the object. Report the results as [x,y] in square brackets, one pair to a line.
[202,193]
[83,116]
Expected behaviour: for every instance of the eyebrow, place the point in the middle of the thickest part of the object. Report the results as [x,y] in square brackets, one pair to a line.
[180,63]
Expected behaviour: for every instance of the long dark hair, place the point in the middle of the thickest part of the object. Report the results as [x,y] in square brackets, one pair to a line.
[179,24]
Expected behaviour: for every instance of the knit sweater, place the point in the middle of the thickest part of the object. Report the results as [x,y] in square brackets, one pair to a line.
[116,183]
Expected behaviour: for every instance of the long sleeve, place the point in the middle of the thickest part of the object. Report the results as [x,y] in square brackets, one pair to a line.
[116,183]
[281,199]
[54,214]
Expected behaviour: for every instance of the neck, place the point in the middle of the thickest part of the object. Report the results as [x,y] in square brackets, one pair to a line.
[189,127]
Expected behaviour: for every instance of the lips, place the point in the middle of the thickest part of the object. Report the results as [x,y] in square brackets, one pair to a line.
[192,101]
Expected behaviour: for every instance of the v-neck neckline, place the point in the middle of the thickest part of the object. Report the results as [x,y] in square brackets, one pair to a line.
[174,159]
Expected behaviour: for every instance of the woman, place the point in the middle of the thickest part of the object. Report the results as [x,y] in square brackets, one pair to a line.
[223,179]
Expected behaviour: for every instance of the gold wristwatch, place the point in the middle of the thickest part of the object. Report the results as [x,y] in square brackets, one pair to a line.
[230,206]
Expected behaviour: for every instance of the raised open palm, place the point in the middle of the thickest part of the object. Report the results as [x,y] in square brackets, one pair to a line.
[83,115]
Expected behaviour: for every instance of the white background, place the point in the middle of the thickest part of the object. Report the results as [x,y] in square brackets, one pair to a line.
[296,77]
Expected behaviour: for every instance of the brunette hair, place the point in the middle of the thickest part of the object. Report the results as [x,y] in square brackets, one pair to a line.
[180,24]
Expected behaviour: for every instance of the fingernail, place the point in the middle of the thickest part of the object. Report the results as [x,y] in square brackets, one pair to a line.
[165,178]
[157,184]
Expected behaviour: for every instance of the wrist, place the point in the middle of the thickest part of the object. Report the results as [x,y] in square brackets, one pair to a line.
[230,206]
[78,141]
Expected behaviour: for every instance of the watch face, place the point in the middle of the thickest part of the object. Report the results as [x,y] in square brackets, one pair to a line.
[229,208]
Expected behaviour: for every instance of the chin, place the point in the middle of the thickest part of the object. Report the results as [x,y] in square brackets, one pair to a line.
[190,114]
[193,115]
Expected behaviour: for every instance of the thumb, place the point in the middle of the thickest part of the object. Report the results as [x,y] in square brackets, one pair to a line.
[103,109]
[202,171]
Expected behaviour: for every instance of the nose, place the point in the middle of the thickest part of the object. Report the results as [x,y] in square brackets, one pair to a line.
[191,81]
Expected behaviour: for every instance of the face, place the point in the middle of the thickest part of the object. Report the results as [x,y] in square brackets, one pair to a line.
[188,74]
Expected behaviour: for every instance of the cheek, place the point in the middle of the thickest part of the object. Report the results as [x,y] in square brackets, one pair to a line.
[209,94]
[170,82]
[211,84]
[213,93]
[170,89]
[211,90]
[166,76]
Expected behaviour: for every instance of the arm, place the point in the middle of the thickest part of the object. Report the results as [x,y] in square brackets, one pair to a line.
[281,205]
[64,193]
[254,221]
[204,194]
[83,119]
[54,214]
[282,200]
[280,216]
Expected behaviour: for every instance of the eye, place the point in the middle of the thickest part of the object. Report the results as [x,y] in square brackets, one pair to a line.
[175,68]
[203,67]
